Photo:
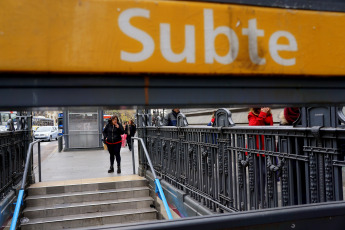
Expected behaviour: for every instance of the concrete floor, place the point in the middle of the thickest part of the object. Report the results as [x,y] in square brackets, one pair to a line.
[60,166]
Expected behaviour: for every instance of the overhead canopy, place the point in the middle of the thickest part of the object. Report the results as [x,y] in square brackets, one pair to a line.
[127,52]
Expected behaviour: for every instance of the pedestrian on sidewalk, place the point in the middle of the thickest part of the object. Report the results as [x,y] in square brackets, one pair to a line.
[130,131]
[112,136]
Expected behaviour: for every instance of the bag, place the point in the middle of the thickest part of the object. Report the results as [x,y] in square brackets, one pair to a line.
[124,137]
[105,146]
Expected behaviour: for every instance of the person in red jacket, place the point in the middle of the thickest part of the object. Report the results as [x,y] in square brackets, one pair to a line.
[260,117]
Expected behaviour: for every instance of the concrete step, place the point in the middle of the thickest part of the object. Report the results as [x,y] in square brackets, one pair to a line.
[56,210]
[129,225]
[79,197]
[68,188]
[88,202]
[91,219]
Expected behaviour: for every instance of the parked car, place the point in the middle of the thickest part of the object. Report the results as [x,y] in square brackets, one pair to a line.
[46,133]
[3,128]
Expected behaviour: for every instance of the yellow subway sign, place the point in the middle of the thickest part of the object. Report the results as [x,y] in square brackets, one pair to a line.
[133,36]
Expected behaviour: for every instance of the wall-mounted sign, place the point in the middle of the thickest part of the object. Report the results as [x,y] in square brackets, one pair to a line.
[168,37]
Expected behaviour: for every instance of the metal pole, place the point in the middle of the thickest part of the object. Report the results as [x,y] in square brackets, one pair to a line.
[39,162]
[60,143]
[147,155]
[133,159]
[17,209]
[21,191]
[159,187]
[165,203]
[28,156]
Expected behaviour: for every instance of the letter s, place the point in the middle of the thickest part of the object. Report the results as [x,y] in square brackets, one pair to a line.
[135,33]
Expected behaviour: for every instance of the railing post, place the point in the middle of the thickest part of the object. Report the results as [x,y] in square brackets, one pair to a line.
[133,158]
[223,118]
[60,143]
[39,161]
[180,150]
[141,124]
[148,118]
[181,120]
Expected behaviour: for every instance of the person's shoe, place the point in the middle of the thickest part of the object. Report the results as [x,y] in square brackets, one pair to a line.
[111,169]
[119,169]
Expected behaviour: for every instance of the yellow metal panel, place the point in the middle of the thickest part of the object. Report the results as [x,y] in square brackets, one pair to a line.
[133,36]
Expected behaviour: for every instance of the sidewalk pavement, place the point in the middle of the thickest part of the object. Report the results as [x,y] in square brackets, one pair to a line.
[60,166]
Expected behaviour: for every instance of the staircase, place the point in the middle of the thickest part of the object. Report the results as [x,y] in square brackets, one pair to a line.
[83,203]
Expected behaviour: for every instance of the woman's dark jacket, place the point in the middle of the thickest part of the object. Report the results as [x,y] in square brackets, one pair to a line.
[112,134]
[132,130]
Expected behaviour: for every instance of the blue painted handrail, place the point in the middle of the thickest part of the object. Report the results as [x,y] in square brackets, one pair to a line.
[162,196]
[157,183]
[22,189]
[16,211]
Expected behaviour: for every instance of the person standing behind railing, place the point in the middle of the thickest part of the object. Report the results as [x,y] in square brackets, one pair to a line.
[212,123]
[260,117]
[171,118]
[213,119]
[288,117]
[112,136]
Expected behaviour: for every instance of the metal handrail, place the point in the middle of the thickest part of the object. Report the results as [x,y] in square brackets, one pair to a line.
[22,188]
[157,182]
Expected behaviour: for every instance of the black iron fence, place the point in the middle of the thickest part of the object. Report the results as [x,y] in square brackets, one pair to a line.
[229,168]
[13,147]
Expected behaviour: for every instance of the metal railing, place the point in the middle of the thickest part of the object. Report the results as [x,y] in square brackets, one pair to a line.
[252,167]
[157,182]
[12,159]
[28,166]
[321,216]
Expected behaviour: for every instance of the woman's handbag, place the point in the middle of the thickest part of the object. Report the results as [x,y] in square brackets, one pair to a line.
[124,137]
